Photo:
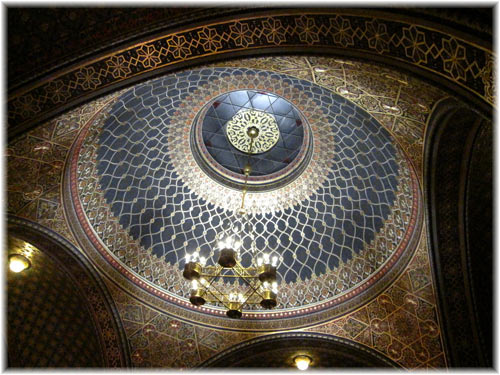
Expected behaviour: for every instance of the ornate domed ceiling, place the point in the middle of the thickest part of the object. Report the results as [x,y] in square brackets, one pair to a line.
[129,183]
[151,173]
[332,195]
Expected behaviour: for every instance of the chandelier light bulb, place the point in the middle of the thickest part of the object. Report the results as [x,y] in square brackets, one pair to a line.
[188,258]
[240,297]
[266,258]
[203,261]
[259,262]
[274,261]
[194,284]
[236,245]
[274,287]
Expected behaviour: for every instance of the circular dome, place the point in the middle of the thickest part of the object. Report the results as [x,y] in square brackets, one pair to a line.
[340,219]
[222,144]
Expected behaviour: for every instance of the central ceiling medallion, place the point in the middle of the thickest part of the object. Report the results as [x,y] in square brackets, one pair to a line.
[238,127]
[280,152]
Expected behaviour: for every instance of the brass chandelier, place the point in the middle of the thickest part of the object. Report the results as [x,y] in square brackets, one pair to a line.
[260,279]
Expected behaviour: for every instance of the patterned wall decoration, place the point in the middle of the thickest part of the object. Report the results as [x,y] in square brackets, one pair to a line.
[166,223]
[84,282]
[49,321]
[450,57]
[364,84]
[399,102]
[402,322]
[43,39]
[158,339]
[453,130]
[35,163]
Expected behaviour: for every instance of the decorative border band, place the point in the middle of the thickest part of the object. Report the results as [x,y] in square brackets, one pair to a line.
[463,63]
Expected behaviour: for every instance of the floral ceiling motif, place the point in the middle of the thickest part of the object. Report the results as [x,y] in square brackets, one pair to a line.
[458,61]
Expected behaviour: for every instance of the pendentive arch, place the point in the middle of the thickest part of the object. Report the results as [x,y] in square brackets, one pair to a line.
[41,332]
[458,197]
[279,350]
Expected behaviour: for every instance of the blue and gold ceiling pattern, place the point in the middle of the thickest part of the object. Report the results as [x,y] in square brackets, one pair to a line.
[334,225]
[225,107]
[144,192]
[293,296]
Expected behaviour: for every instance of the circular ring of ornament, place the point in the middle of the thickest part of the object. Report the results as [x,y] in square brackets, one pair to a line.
[238,126]
[169,197]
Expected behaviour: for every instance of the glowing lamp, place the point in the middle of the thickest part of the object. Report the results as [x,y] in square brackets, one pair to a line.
[18,263]
[302,362]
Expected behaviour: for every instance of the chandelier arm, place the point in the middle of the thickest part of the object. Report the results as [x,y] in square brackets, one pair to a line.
[253,292]
[249,283]
[238,271]
[212,276]
[217,297]
[246,270]
[255,288]
[221,293]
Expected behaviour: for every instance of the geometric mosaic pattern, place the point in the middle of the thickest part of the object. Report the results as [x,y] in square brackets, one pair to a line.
[371,87]
[309,276]
[35,164]
[161,340]
[223,109]
[400,103]
[401,323]
[141,184]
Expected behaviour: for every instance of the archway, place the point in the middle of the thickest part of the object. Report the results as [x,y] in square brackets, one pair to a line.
[60,313]
[279,350]
[458,187]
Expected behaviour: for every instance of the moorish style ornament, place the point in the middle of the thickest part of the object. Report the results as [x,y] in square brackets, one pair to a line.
[268,132]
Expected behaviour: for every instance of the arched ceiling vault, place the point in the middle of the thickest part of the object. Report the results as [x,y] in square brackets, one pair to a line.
[145,171]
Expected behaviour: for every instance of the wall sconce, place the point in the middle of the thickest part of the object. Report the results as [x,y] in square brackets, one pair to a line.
[18,263]
[302,362]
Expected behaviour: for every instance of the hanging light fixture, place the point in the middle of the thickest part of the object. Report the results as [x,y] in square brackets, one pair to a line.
[262,287]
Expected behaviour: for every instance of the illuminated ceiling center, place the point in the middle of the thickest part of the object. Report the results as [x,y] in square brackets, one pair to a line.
[280,152]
